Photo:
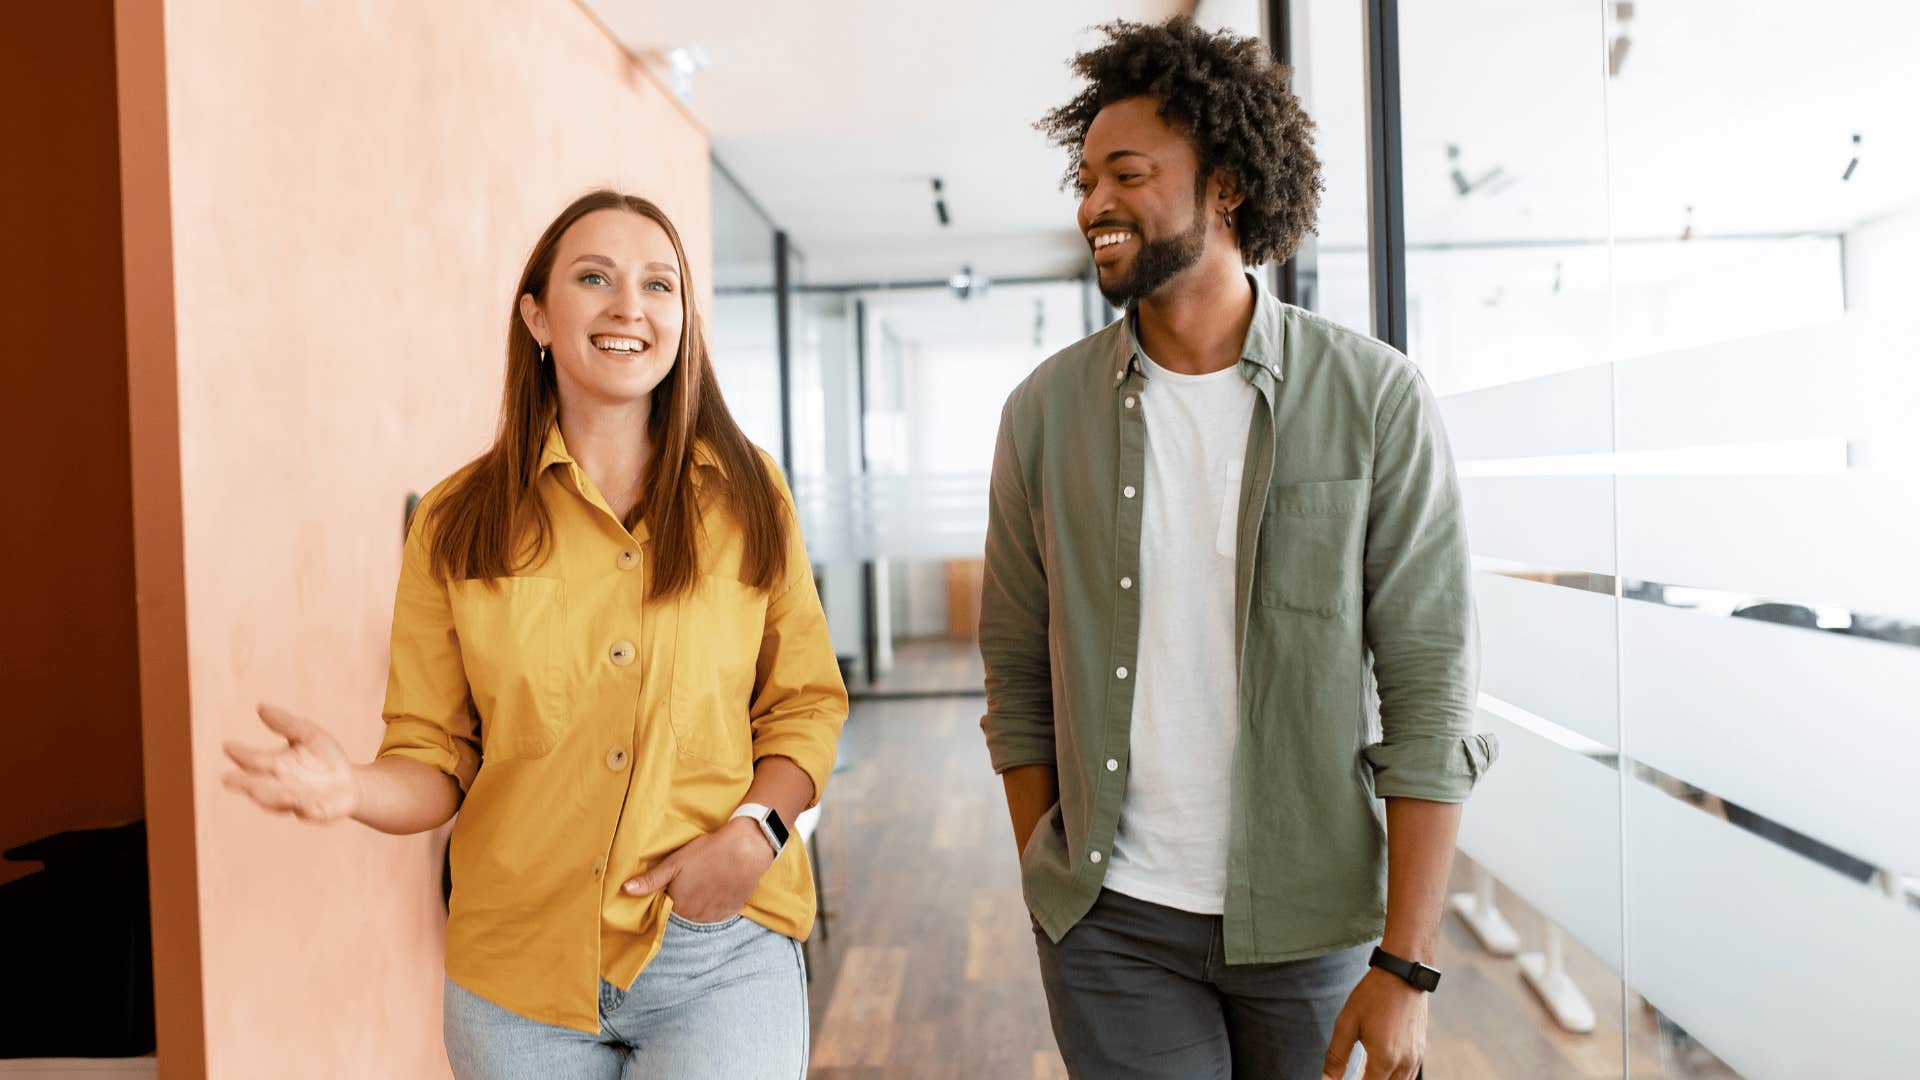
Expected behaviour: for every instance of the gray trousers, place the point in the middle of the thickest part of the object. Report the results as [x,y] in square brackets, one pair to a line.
[1137,990]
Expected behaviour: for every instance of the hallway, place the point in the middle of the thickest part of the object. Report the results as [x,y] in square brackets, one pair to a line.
[929,970]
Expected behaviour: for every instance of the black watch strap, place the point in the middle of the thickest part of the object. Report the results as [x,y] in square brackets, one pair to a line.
[1418,975]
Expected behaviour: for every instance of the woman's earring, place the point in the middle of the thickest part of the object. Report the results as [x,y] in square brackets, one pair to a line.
[1229,217]
[546,354]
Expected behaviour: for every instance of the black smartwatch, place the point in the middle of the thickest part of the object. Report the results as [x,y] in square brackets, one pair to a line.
[1418,975]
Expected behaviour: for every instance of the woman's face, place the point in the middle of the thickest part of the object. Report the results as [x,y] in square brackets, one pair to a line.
[612,312]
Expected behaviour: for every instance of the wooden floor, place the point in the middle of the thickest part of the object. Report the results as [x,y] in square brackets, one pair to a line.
[931,665]
[929,968]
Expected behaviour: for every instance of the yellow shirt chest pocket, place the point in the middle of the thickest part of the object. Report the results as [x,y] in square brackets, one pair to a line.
[721,624]
[511,634]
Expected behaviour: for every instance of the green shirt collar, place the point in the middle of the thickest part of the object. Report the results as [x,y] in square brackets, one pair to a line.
[1263,352]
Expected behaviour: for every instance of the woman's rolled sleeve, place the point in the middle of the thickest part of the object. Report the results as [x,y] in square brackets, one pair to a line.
[428,712]
[799,700]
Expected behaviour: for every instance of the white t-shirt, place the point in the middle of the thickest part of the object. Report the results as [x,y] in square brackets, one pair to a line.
[1171,847]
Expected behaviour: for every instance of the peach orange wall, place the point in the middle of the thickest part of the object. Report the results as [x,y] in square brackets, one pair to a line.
[69,670]
[353,190]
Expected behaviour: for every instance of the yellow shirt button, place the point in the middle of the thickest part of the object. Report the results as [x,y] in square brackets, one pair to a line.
[617,758]
[628,560]
[621,654]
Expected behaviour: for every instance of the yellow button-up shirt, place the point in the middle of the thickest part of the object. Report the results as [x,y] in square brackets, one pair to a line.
[595,731]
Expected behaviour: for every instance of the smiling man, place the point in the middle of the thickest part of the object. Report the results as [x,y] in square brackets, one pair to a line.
[1229,639]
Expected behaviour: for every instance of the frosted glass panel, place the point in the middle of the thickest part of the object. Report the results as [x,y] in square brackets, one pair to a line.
[1546,822]
[1568,413]
[1783,967]
[1846,540]
[1562,523]
[925,516]
[1550,650]
[1812,729]
[1854,377]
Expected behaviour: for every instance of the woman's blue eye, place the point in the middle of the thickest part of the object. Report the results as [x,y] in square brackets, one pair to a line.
[593,277]
[664,286]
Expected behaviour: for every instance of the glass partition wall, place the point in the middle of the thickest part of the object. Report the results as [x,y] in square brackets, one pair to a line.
[1660,264]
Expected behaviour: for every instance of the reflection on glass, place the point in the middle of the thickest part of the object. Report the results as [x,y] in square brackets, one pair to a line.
[1741,289]
[1508,280]
[744,327]
[938,368]
[1763,233]
[1327,46]
[1504,152]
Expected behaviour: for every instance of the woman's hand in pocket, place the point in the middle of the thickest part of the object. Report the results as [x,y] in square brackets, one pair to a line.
[710,879]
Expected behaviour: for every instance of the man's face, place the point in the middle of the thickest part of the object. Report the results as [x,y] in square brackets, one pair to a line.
[1141,206]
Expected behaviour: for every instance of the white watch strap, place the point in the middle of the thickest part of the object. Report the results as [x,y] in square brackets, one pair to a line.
[758,813]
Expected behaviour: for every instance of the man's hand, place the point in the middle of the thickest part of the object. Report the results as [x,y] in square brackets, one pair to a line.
[1389,1018]
[1031,792]
[710,879]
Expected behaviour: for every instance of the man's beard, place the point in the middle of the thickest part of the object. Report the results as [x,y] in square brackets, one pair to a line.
[1159,261]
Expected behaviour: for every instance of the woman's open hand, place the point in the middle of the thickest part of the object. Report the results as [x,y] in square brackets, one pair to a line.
[310,777]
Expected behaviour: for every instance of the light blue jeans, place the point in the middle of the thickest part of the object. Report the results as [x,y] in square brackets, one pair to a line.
[724,1000]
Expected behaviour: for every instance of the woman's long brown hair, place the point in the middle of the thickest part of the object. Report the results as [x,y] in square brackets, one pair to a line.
[491,522]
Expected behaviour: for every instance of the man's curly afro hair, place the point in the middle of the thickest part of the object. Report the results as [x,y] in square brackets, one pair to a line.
[1230,98]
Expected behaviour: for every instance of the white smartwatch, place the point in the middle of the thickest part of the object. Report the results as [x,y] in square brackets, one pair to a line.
[769,821]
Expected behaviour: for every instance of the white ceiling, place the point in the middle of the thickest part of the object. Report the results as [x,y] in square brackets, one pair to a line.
[836,116]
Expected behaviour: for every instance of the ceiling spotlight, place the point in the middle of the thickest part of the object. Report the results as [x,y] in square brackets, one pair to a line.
[965,284]
[1855,162]
[940,202]
[685,63]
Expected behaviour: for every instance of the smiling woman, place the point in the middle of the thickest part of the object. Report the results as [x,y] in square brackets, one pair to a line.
[609,656]
[614,331]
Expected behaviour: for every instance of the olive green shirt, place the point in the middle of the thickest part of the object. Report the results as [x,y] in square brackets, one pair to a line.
[1353,612]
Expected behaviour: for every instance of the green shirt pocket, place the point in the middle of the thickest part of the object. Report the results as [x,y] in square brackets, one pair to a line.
[1311,543]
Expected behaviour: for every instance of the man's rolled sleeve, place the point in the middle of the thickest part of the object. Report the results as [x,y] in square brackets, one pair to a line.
[429,711]
[1419,608]
[799,700]
[1013,619]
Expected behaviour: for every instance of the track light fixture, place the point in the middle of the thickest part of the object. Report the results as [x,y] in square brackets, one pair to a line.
[940,202]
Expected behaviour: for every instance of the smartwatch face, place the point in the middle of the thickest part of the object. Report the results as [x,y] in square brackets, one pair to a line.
[779,827]
[1425,977]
